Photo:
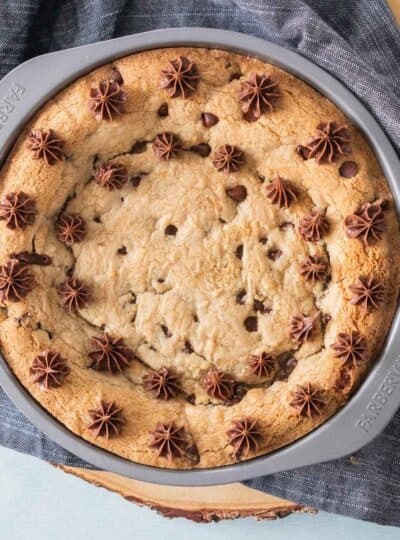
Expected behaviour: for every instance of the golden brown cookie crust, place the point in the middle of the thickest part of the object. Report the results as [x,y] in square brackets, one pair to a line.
[188,282]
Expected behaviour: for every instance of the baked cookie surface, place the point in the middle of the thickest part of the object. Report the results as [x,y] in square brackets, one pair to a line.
[198,257]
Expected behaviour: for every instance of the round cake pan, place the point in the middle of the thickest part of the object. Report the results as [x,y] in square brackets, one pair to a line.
[28,86]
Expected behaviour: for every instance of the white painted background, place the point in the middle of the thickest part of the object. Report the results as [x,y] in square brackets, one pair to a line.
[38,502]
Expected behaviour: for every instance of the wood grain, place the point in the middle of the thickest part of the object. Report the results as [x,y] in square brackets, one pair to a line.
[395,7]
[202,504]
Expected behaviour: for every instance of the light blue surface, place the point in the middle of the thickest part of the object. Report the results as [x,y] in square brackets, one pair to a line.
[40,502]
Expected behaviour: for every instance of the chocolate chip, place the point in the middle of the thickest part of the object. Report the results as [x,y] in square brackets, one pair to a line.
[237,193]
[302,151]
[133,298]
[160,280]
[348,169]
[32,258]
[163,110]
[251,324]
[195,318]
[286,226]
[222,221]
[171,230]
[263,239]
[325,318]
[188,347]
[345,380]
[97,219]
[384,204]
[209,119]
[139,147]
[135,180]
[193,454]
[191,398]
[166,331]
[239,297]
[260,176]
[291,363]
[115,76]
[234,76]
[260,307]
[203,149]
[122,250]
[287,365]
[239,391]
[239,252]
[274,254]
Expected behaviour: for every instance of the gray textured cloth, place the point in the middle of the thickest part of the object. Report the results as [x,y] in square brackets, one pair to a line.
[359,43]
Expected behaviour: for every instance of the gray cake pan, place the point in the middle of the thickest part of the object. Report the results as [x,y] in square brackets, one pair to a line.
[29,85]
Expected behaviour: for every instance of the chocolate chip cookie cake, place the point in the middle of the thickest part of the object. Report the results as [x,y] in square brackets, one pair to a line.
[199,258]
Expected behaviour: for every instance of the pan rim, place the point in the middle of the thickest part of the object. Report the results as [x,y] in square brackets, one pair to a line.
[338,436]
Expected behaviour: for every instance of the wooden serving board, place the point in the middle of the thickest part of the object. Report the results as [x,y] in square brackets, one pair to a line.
[395,6]
[202,504]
